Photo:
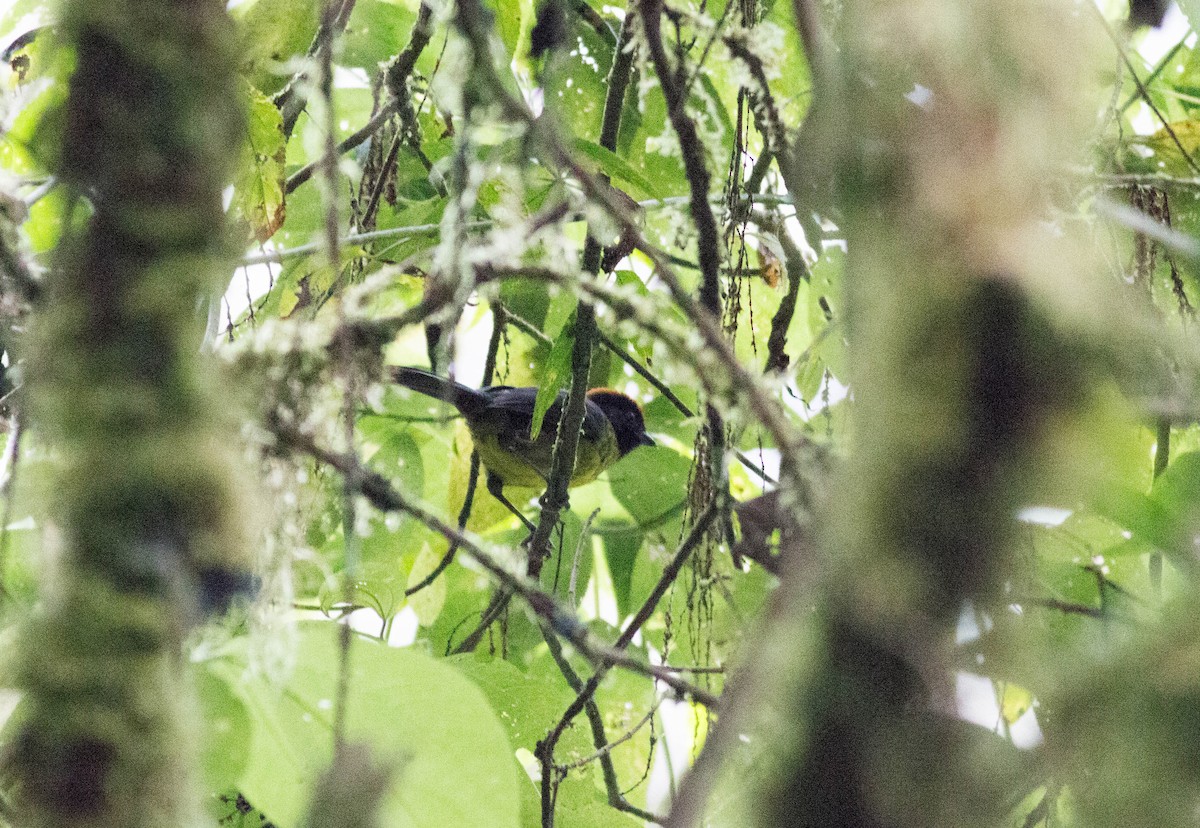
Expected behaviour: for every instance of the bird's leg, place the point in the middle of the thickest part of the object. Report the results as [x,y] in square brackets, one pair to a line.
[495,487]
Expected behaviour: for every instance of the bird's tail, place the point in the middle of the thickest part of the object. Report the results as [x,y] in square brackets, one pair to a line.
[467,400]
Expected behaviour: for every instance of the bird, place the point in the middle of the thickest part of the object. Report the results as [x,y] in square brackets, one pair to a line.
[500,420]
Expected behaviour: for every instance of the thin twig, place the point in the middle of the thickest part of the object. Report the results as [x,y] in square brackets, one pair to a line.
[771,124]
[545,751]
[585,537]
[1158,69]
[692,150]
[276,256]
[620,740]
[396,77]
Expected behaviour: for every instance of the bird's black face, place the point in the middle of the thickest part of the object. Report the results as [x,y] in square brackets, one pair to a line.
[625,416]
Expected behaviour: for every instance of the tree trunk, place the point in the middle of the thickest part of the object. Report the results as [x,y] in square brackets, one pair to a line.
[149,532]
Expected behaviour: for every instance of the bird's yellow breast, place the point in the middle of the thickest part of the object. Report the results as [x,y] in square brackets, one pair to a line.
[527,462]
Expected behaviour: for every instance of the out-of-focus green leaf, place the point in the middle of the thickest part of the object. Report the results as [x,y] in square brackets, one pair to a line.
[1175,497]
[45,224]
[392,451]
[581,803]
[512,22]
[560,313]
[1169,516]
[528,703]
[1170,145]
[31,143]
[526,298]
[226,737]
[413,712]
[272,33]
[577,85]
[1014,701]
[377,31]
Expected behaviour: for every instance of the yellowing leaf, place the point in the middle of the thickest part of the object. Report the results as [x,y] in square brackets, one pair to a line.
[1014,701]
[258,191]
[1170,153]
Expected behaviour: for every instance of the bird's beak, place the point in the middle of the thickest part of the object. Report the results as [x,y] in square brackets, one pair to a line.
[645,440]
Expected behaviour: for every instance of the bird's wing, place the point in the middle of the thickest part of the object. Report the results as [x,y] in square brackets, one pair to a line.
[516,406]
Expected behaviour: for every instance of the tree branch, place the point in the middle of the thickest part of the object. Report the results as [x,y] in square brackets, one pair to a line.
[291,100]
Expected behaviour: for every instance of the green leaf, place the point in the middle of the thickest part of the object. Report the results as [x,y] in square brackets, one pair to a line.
[1175,502]
[225,739]
[512,22]
[420,714]
[1170,156]
[662,417]
[528,703]
[624,699]
[1168,517]
[390,449]
[651,483]
[710,108]
[616,167]
[377,31]
[30,144]
[559,314]
[45,224]
[467,594]
[527,298]
[793,87]
[575,86]
[556,570]
[580,803]
[554,376]
[274,31]
[427,603]
[620,552]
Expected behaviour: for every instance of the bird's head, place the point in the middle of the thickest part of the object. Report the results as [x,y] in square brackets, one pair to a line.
[625,415]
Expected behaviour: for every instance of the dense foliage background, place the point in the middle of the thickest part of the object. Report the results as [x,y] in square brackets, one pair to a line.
[906,290]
